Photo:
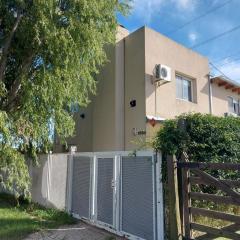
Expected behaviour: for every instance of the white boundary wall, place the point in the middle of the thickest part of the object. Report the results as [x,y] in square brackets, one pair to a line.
[49,180]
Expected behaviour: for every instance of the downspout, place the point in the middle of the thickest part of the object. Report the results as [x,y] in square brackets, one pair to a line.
[210,93]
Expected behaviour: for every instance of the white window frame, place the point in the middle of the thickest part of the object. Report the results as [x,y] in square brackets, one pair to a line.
[182,78]
[234,101]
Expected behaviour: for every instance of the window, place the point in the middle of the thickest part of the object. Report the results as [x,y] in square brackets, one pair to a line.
[233,105]
[184,88]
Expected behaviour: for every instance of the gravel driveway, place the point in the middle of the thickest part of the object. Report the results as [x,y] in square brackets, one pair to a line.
[79,231]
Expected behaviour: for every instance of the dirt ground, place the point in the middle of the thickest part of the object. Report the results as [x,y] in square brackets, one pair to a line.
[79,231]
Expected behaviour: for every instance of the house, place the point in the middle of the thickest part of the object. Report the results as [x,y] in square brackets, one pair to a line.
[149,78]
[225,97]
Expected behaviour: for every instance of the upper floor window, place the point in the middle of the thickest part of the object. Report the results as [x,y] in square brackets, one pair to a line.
[184,88]
[233,105]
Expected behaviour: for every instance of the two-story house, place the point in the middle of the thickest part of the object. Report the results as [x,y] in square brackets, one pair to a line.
[149,78]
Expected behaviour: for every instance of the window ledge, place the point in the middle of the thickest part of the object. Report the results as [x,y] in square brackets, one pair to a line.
[183,100]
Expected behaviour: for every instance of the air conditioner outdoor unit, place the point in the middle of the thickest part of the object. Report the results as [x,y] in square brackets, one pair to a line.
[163,73]
[230,114]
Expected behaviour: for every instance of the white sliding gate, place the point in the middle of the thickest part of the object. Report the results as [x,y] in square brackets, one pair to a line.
[118,192]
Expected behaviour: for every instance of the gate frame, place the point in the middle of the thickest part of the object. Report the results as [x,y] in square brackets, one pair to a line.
[201,177]
[97,156]
[154,159]
[116,228]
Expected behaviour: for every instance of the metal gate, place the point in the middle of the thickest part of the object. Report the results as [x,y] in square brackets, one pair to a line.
[118,192]
[105,191]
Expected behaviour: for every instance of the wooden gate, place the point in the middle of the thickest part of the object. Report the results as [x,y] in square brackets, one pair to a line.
[192,174]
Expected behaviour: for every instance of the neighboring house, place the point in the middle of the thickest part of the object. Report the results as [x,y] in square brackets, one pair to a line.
[225,97]
[131,100]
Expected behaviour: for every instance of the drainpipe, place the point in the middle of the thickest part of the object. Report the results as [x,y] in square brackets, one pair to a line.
[210,93]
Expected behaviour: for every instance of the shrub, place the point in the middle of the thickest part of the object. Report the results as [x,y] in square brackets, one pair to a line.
[205,138]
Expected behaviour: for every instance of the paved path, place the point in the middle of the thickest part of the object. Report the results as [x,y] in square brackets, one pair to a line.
[79,231]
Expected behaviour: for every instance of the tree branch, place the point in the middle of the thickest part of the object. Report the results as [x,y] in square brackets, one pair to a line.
[16,86]
[6,47]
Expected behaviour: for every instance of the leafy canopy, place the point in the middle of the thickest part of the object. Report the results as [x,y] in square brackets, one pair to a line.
[50,52]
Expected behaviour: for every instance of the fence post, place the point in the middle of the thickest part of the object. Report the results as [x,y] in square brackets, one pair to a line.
[69,183]
[186,189]
[173,199]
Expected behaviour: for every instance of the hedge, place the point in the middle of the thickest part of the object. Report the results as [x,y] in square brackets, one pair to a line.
[205,138]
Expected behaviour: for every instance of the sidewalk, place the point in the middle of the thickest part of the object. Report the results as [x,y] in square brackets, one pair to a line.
[79,231]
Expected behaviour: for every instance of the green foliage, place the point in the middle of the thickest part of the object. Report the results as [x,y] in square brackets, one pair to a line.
[50,51]
[205,138]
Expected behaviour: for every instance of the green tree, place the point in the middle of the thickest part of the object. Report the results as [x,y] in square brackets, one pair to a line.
[50,51]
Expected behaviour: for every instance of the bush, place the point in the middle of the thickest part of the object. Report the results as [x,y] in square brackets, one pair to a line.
[205,138]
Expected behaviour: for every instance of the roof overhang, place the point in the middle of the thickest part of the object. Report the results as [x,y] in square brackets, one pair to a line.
[226,83]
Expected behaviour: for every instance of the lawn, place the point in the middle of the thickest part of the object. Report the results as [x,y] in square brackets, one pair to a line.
[17,222]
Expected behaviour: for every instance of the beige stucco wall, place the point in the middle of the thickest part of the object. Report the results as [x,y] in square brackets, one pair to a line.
[108,104]
[84,131]
[134,88]
[104,106]
[102,129]
[219,99]
[161,101]
[109,120]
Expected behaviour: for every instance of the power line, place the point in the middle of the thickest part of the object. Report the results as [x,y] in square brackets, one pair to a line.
[230,62]
[215,37]
[216,68]
[221,59]
[200,16]
[220,71]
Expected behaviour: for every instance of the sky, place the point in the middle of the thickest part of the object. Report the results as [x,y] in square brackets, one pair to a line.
[193,23]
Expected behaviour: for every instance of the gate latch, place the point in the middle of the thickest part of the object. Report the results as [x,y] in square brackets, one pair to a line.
[113,184]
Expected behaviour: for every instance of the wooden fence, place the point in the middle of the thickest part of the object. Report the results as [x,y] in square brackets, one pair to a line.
[182,175]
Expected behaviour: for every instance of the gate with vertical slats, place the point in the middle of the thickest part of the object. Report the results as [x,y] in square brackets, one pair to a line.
[105,191]
[138,196]
[118,192]
[225,192]
[81,186]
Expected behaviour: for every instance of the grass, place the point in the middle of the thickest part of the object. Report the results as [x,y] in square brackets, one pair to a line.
[215,223]
[16,222]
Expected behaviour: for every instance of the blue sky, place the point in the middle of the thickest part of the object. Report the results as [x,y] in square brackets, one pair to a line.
[168,16]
